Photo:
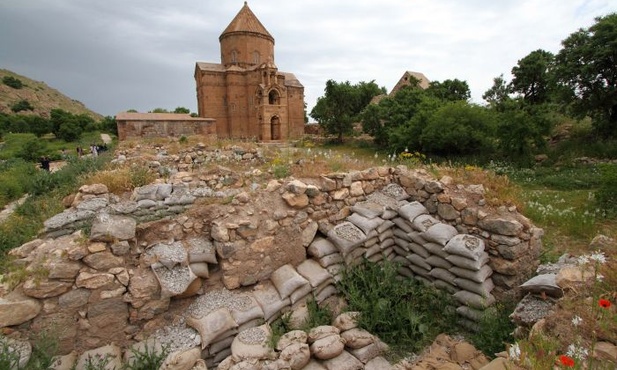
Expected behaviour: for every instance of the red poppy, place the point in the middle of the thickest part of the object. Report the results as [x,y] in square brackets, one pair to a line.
[604,303]
[566,361]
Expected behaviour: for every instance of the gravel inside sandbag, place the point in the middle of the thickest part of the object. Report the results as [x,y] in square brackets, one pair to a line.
[177,337]
[216,299]
[252,336]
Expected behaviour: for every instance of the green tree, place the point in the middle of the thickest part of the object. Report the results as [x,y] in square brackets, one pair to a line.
[522,130]
[340,107]
[32,149]
[159,110]
[587,67]
[69,131]
[38,125]
[498,94]
[532,77]
[108,124]
[180,110]
[21,106]
[458,128]
[450,90]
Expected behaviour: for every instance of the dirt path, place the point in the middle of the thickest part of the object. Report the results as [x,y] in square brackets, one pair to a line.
[10,208]
[106,138]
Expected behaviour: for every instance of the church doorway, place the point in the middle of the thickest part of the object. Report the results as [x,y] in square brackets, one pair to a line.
[275,128]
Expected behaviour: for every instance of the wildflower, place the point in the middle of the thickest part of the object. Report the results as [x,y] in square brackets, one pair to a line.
[600,278]
[577,320]
[583,260]
[566,361]
[604,303]
[579,353]
[515,352]
[598,257]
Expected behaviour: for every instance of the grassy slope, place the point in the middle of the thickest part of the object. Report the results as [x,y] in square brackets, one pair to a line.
[42,97]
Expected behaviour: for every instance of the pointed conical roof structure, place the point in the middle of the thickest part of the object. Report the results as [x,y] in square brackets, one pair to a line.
[246,22]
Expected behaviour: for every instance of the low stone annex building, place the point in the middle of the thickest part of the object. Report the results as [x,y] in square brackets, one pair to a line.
[246,93]
[162,124]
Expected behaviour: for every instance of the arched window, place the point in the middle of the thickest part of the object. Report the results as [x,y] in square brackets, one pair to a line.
[234,56]
[256,57]
[273,97]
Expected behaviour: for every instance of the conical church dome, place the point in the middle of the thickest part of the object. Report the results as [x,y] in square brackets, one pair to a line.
[246,22]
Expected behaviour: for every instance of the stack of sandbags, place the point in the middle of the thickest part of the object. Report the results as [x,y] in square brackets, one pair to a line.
[253,345]
[270,301]
[328,256]
[201,254]
[290,284]
[320,280]
[327,346]
[218,315]
[349,240]
[473,275]
[294,352]
[358,342]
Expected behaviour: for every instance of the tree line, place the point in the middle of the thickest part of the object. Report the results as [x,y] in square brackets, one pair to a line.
[64,125]
[580,81]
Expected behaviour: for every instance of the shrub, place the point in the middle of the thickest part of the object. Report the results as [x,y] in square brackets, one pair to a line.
[400,311]
[13,82]
[495,329]
[21,106]
[147,359]
[606,195]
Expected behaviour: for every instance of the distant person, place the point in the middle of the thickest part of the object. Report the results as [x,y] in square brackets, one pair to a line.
[80,151]
[45,163]
[94,150]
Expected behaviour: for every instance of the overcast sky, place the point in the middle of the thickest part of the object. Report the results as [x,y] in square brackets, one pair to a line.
[115,55]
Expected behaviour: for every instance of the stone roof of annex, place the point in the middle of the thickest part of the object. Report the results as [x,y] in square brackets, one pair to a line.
[246,21]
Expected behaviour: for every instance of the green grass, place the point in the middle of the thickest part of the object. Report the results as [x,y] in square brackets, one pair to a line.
[401,312]
[13,143]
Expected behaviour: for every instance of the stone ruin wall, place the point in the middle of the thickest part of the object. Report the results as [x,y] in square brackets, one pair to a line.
[264,252]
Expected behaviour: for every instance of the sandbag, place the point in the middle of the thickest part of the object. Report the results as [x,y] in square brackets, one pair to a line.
[371,242]
[367,353]
[403,224]
[484,289]
[354,256]
[365,224]
[389,214]
[478,276]
[313,272]
[66,362]
[213,325]
[420,271]
[440,284]
[344,361]
[269,299]
[368,209]
[200,269]
[474,300]
[221,345]
[419,250]
[376,258]
[291,337]
[201,250]
[287,280]
[465,245]
[470,313]
[252,344]
[440,233]
[151,346]
[322,331]
[400,260]
[405,271]
[331,259]
[400,251]
[181,360]
[346,236]
[467,263]
[372,250]
[111,352]
[248,310]
[435,249]
[401,234]
[412,210]
[301,294]
[443,275]
[424,222]
[357,338]
[386,243]
[436,261]
[385,225]
[327,347]
[321,247]
[326,293]
[419,261]
[385,235]
[296,355]
[346,321]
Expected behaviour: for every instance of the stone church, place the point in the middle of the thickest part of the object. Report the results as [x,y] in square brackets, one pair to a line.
[246,93]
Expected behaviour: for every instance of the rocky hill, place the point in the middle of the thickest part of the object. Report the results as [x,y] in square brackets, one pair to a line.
[41,97]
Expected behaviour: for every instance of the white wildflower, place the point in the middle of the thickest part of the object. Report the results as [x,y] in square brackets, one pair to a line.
[600,277]
[515,352]
[583,260]
[579,353]
[599,257]
[577,320]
